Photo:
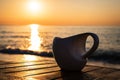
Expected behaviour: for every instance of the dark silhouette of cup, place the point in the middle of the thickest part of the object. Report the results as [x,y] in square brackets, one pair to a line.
[70,52]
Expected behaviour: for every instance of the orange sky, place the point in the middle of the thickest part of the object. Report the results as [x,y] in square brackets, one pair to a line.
[61,12]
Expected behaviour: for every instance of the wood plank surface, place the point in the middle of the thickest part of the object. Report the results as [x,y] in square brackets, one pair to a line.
[49,70]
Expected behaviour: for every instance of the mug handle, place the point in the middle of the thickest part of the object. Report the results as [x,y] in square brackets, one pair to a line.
[95,44]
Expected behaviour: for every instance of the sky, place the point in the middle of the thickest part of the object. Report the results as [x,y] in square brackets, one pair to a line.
[60,12]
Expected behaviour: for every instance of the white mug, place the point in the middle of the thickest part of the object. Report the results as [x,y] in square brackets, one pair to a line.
[70,52]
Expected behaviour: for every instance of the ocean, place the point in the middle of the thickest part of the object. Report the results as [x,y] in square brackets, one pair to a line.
[38,39]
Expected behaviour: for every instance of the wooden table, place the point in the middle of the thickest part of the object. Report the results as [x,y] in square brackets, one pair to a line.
[47,69]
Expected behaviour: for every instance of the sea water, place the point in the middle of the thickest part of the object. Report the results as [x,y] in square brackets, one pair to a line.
[40,38]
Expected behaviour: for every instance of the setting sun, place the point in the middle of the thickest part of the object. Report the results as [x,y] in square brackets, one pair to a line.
[34,6]
[60,12]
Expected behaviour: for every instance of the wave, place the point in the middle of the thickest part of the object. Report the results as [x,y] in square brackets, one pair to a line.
[100,55]
[14,36]
[18,51]
[109,56]
[4,32]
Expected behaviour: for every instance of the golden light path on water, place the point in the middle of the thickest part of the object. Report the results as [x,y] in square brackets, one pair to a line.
[30,58]
[35,42]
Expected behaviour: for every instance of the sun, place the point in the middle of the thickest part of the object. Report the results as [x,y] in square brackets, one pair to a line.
[34,6]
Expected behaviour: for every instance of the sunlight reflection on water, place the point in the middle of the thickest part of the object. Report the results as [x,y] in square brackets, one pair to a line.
[30,57]
[35,40]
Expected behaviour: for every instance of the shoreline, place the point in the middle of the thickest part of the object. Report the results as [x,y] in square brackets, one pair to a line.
[111,57]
